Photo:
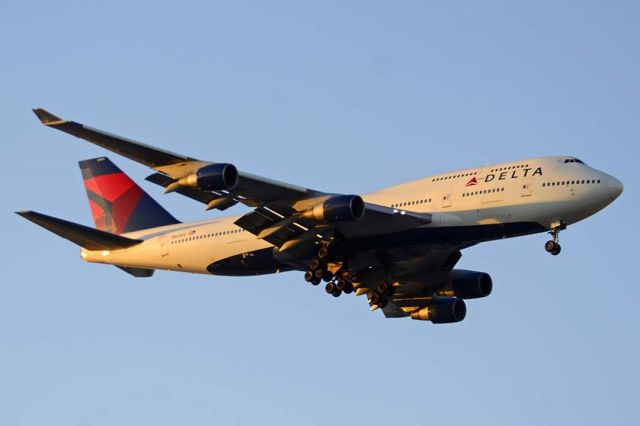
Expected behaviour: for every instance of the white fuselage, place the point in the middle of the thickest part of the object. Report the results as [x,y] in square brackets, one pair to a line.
[547,191]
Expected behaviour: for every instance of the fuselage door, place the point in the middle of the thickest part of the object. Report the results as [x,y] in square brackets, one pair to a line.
[163,240]
[526,187]
[446,199]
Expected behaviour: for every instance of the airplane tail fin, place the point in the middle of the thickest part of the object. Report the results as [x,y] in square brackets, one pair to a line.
[118,204]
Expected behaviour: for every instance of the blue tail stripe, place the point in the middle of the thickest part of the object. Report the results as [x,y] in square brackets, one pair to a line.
[149,214]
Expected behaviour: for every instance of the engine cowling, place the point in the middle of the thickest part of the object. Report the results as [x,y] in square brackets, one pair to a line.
[442,310]
[341,208]
[213,177]
[467,285]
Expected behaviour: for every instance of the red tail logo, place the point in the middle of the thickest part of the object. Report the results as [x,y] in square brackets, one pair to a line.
[119,205]
[472,182]
[113,198]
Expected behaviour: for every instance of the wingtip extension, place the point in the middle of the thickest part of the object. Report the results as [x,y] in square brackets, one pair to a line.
[46,117]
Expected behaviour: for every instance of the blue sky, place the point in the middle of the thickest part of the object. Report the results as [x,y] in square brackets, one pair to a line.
[338,96]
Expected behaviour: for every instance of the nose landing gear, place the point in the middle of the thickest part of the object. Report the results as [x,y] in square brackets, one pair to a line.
[553,246]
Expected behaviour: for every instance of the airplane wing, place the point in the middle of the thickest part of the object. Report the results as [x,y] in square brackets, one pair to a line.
[172,165]
[283,213]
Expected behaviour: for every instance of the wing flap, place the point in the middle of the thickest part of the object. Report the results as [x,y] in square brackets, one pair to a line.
[274,225]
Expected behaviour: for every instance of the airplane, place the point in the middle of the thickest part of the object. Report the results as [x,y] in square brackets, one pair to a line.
[398,246]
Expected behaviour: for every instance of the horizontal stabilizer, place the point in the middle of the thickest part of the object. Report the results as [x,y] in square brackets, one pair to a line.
[84,236]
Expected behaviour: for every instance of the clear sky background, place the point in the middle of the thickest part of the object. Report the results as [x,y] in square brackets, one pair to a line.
[339,96]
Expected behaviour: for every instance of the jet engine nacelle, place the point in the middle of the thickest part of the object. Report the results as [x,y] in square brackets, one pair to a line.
[213,177]
[442,310]
[341,208]
[467,285]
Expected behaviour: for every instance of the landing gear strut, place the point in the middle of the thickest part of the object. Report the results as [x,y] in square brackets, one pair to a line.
[553,246]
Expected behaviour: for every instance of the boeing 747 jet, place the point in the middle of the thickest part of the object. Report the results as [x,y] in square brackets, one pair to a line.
[398,246]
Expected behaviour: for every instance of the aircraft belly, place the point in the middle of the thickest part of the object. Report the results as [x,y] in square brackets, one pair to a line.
[256,262]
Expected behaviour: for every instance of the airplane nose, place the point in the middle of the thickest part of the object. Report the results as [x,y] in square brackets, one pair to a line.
[615,188]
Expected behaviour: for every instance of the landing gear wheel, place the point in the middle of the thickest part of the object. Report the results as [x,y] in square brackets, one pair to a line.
[330,287]
[374,299]
[552,247]
[328,276]
[383,287]
[315,264]
[322,252]
[342,283]
[319,273]
[315,281]
[348,288]
[336,293]
[309,276]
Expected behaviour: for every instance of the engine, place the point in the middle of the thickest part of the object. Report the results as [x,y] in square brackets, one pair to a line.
[213,177]
[442,310]
[341,208]
[467,285]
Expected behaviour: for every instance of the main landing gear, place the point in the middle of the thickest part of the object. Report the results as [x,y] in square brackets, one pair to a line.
[380,296]
[337,286]
[553,246]
[339,280]
[337,277]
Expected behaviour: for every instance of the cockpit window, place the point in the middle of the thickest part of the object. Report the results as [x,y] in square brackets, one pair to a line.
[573,160]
